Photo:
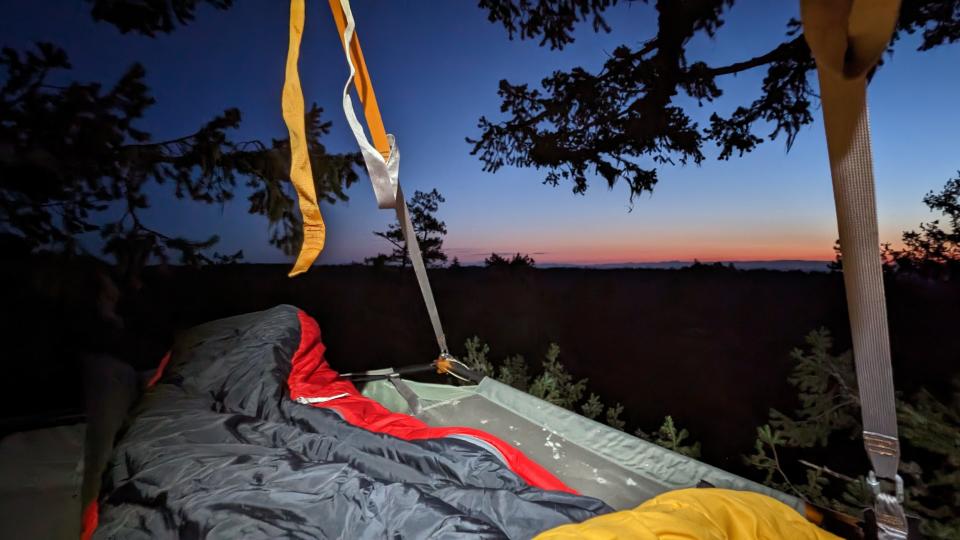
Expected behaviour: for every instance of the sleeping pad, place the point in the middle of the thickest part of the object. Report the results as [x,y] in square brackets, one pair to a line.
[219,448]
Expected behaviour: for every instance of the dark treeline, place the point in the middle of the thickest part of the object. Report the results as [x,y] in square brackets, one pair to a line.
[709,348]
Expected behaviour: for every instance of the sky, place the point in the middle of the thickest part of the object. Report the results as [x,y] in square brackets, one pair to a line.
[435,67]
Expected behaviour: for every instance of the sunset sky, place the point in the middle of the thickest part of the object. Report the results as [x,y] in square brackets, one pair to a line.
[436,65]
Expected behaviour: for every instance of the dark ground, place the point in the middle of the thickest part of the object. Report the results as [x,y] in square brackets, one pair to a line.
[709,347]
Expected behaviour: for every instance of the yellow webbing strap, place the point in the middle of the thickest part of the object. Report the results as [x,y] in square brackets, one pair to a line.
[314,231]
[371,111]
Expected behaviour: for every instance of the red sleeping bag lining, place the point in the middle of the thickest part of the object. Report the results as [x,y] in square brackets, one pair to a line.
[311,376]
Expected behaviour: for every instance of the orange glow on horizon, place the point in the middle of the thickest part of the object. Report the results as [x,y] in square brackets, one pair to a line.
[612,255]
[662,248]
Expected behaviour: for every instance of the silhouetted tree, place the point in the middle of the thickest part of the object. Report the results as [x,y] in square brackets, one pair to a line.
[495,260]
[718,266]
[517,261]
[150,17]
[430,232]
[836,265]
[633,111]
[930,252]
[378,261]
[933,251]
[75,163]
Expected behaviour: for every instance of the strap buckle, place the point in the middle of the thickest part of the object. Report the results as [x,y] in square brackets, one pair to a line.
[448,364]
[873,482]
[443,363]
[891,520]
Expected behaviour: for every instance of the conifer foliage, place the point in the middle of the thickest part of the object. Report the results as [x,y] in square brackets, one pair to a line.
[829,414]
[77,164]
[430,231]
[558,386]
[620,123]
[934,250]
[795,453]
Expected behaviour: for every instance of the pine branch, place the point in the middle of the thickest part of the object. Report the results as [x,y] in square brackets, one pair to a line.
[826,470]
[781,52]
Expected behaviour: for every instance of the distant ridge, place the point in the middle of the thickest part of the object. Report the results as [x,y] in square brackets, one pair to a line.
[782,265]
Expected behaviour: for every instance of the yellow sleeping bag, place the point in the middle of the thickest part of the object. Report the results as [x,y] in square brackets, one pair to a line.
[701,514]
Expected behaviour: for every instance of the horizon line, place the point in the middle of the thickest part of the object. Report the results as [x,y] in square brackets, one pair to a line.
[806,263]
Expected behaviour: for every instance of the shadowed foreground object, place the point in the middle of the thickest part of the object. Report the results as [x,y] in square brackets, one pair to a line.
[41,470]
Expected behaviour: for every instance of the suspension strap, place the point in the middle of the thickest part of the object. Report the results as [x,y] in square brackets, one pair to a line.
[382,158]
[847,38]
[314,230]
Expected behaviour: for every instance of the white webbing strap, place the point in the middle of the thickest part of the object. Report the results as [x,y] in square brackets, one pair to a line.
[853,188]
[384,175]
[847,38]
[420,269]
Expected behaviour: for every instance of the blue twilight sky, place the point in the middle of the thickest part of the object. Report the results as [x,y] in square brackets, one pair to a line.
[436,65]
